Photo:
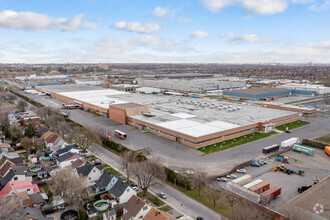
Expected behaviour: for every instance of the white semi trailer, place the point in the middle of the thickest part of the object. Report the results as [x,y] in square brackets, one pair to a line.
[290,142]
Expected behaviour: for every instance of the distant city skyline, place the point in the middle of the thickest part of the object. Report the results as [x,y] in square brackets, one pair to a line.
[173,31]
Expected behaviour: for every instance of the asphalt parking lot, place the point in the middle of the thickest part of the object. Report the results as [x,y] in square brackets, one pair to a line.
[317,166]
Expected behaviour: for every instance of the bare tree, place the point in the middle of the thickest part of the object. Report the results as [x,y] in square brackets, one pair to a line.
[294,213]
[72,188]
[103,131]
[128,158]
[45,112]
[9,205]
[11,97]
[241,211]
[85,137]
[148,173]
[53,121]
[64,128]
[200,179]
[26,142]
[212,193]
[22,105]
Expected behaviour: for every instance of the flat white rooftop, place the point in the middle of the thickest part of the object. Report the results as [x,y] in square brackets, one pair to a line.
[194,117]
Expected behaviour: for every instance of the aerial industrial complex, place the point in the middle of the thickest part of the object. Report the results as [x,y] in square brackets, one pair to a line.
[195,122]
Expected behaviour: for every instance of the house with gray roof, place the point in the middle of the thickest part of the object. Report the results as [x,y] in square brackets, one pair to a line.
[91,172]
[66,159]
[121,192]
[14,174]
[26,213]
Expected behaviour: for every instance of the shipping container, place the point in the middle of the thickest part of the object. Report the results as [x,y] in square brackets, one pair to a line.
[243,180]
[260,188]
[253,183]
[272,148]
[290,142]
[306,150]
[270,194]
[245,193]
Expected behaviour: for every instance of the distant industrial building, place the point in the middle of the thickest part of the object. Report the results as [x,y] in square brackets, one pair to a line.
[48,80]
[305,112]
[191,121]
[318,89]
[265,92]
[199,85]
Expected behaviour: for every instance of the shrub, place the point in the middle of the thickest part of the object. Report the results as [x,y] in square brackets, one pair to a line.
[313,143]
[177,178]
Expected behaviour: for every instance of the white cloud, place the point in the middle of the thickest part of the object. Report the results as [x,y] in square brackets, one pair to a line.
[137,27]
[216,5]
[90,25]
[199,35]
[322,7]
[38,22]
[302,1]
[146,40]
[184,20]
[228,34]
[251,38]
[160,12]
[266,7]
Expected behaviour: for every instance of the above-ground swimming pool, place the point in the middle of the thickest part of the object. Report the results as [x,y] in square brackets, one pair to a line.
[34,168]
[101,205]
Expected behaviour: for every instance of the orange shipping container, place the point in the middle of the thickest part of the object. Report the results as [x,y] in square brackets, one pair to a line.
[260,188]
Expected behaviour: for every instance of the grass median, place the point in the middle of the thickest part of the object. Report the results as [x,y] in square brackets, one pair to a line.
[292,125]
[224,145]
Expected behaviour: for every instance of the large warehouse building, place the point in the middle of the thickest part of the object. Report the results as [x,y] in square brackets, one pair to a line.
[193,122]
[265,92]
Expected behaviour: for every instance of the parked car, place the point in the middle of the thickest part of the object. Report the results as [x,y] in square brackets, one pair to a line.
[200,218]
[287,131]
[133,185]
[262,162]
[95,163]
[241,171]
[231,176]
[255,164]
[221,179]
[135,188]
[162,195]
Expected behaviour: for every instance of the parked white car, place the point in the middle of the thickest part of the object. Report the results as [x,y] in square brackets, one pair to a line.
[231,176]
[221,179]
[241,171]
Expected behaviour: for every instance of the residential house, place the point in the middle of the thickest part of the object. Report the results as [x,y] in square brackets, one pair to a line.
[19,186]
[121,191]
[104,183]
[109,215]
[78,163]
[66,160]
[156,214]
[136,208]
[32,158]
[27,213]
[37,200]
[91,172]
[5,167]
[9,155]
[4,146]
[19,162]
[52,141]
[13,175]
[67,148]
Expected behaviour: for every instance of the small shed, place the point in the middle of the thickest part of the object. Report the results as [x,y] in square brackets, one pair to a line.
[42,174]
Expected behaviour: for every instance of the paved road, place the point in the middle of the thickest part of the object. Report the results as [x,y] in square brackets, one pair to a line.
[176,155]
[175,198]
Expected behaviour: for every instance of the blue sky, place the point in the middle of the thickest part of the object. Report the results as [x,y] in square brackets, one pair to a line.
[137,31]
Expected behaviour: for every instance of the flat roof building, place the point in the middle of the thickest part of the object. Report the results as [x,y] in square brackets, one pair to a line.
[195,122]
[264,92]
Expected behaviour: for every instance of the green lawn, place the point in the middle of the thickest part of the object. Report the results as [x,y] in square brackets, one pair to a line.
[166,208]
[234,142]
[152,199]
[109,169]
[13,88]
[292,125]
[180,216]
[220,207]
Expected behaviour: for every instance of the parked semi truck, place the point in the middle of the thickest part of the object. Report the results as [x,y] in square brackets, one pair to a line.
[271,148]
[306,150]
[290,142]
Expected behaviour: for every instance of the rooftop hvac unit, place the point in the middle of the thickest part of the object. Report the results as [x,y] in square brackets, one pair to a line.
[229,110]
[220,108]
[211,107]
[224,107]
[238,108]
[220,105]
